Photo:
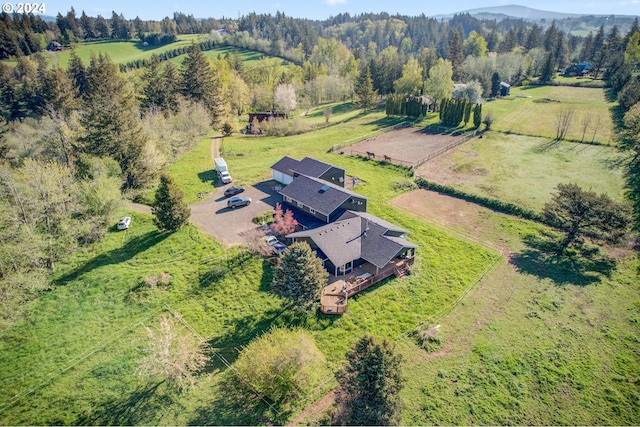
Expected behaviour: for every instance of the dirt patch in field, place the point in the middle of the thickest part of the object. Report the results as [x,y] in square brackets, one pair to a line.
[465,219]
[444,170]
[316,410]
[407,146]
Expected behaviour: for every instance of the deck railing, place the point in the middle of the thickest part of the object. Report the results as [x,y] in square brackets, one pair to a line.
[357,284]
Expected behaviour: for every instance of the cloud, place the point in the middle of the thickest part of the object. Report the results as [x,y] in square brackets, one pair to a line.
[335,2]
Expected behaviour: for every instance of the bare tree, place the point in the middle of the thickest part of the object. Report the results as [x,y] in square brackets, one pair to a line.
[585,122]
[596,127]
[563,122]
[172,356]
[327,114]
[257,244]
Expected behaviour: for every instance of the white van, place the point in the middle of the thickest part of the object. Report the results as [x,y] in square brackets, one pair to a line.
[222,170]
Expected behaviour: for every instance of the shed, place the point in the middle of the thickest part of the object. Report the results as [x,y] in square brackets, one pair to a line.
[504,88]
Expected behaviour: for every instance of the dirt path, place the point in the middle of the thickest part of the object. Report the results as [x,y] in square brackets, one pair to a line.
[215,147]
[56,59]
[137,207]
[317,409]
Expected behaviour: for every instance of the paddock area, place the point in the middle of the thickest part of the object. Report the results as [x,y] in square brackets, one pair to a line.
[407,147]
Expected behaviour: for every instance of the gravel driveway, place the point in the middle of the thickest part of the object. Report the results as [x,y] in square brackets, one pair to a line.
[227,225]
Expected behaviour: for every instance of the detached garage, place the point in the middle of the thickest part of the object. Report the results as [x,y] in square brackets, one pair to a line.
[282,171]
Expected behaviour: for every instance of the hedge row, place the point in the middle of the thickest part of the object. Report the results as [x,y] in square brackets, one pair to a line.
[494,204]
[166,55]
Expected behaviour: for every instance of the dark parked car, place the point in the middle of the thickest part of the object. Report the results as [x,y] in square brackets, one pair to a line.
[236,201]
[233,190]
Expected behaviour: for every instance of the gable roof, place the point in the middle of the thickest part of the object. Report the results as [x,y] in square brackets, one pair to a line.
[307,166]
[322,196]
[356,235]
[285,165]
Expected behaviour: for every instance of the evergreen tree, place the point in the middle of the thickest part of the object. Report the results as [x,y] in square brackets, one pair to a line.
[170,211]
[477,116]
[154,91]
[364,90]
[548,70]
[78,74]
[370,384]
[110,120]
[495,84]
[456,55]
[199,83]
[584,213]
[299,276]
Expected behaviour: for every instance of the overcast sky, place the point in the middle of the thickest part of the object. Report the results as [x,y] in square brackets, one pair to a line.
[322,9]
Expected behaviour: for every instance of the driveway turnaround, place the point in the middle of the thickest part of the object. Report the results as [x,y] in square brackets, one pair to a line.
[227,225]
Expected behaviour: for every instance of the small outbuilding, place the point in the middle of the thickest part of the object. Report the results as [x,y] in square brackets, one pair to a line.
[54,46]
[505,89]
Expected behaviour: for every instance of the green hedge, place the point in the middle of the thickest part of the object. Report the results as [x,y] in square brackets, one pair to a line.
[494,204]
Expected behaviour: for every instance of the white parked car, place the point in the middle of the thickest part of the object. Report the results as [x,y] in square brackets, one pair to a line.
[124,223]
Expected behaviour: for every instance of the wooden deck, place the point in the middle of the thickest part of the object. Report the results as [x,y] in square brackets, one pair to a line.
[335,296]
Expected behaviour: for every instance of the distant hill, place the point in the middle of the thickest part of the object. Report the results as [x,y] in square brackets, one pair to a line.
[514,11]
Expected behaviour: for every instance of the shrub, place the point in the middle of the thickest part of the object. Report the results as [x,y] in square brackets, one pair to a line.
[282,365]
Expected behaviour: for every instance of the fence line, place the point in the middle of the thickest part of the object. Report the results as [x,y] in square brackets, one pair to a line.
[219,356]
[387,159]
[370,135]
[446,148]
[77,359]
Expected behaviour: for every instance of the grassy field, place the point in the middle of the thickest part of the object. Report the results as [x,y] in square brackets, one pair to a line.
[538,342]
[121,51]
[525,170]
[95,313]
[530,345]
[533,110]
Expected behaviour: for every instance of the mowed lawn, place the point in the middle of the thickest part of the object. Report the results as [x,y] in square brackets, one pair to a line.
[122,52]
[526,170]
[534,110]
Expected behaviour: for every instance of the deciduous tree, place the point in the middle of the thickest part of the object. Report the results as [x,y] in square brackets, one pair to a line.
[284,98]
[282,365]
[171,355]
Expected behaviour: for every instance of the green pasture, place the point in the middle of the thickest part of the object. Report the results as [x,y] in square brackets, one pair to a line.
[537,342]
[123,51]
[247,55]
[533,110]
[94,316]
[525,170]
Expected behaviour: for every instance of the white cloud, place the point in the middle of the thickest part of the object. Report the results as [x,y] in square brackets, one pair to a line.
[335,2]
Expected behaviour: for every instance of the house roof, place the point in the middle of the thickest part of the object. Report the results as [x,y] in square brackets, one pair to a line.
[307,166]
[356,235]
[322,196]
[286,165]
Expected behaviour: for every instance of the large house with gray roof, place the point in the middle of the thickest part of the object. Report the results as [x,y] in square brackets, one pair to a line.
[356,239]
[334,219]
[335,223]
